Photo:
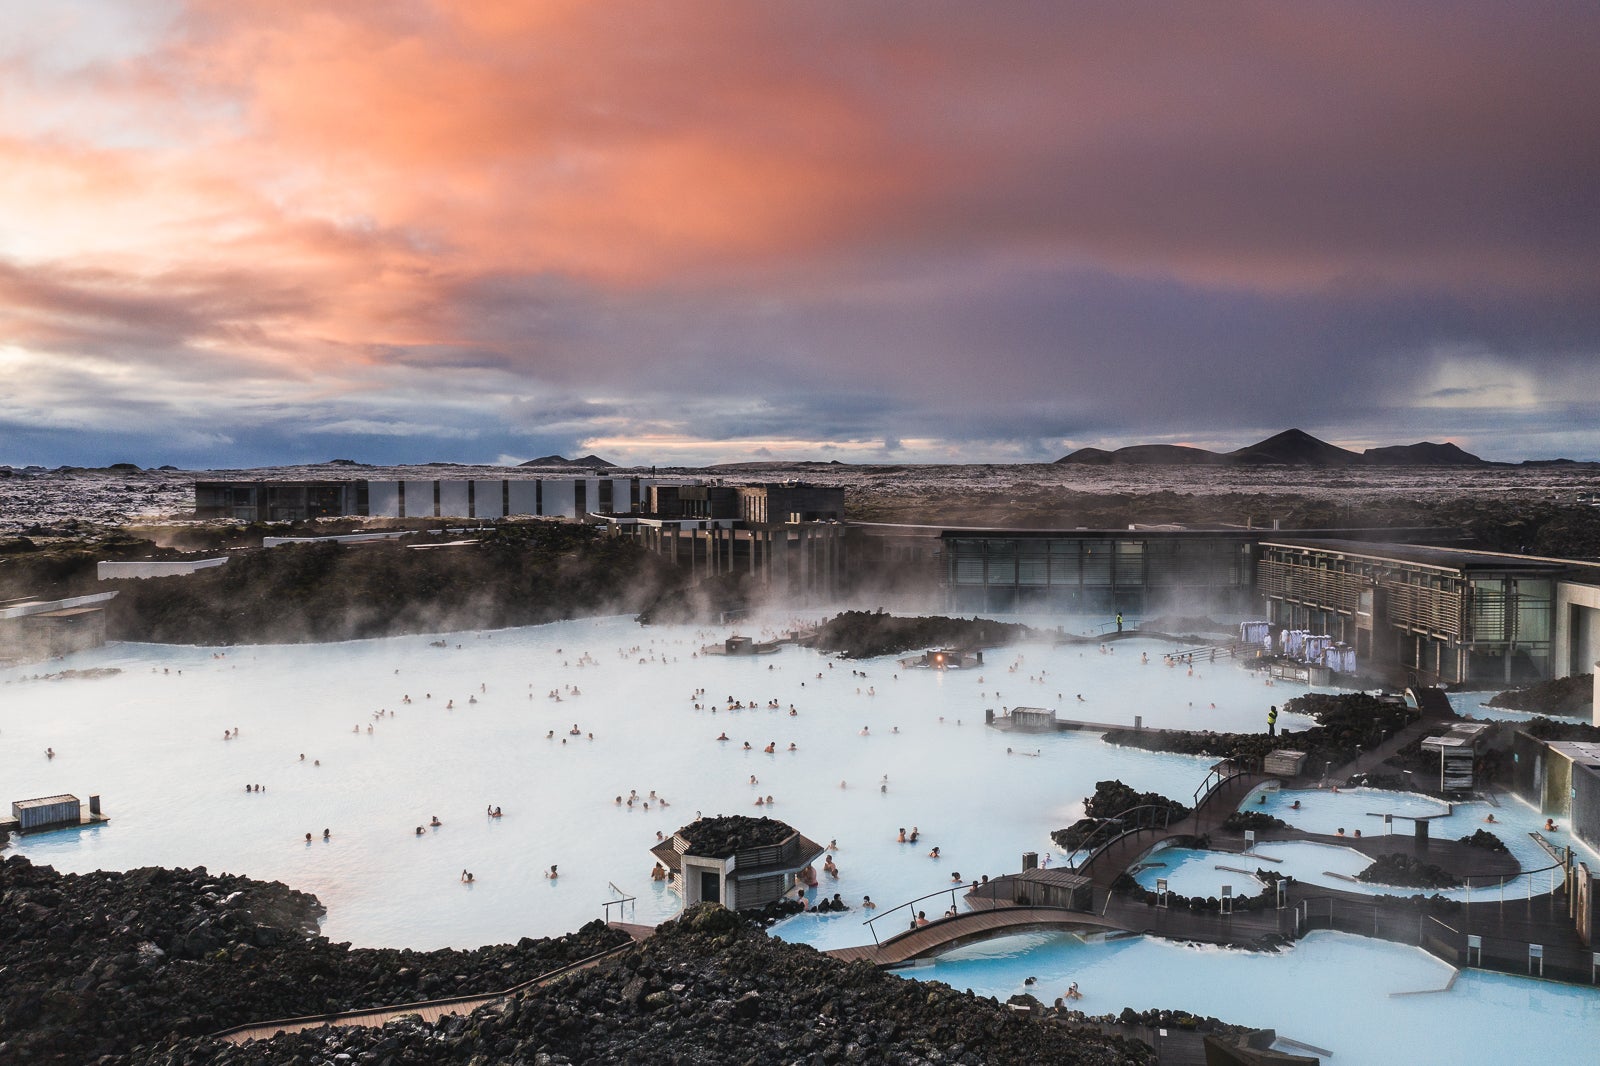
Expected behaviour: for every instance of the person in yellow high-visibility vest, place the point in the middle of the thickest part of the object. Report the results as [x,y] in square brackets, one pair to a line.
[1272,721]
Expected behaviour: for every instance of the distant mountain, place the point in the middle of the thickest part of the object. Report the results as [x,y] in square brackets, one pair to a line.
[1425,454]
[1292,447]
[1146,455]
[587,462]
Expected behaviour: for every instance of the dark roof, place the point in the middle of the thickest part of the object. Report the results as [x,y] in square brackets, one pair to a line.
[726,835]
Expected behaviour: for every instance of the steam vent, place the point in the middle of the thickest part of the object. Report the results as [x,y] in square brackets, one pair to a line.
[742,863]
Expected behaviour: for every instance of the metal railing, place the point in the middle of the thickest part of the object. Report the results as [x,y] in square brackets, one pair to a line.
[1218,776]
[1147,817]
[992,888]
[620,903]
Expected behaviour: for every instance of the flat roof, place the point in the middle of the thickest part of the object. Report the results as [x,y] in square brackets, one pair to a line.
[1458,559]
[1579,751]
[44,801]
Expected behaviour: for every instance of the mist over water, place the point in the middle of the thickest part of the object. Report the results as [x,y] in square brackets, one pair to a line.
[150,742]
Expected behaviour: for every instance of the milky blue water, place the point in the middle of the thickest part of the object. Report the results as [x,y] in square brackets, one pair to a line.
[1193,872]
[1476,705]
[1331,990]
[150,741]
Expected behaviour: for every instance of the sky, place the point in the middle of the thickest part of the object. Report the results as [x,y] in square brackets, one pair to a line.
[247,232]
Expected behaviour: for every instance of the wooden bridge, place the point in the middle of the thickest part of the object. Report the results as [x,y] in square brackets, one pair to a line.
[944,934]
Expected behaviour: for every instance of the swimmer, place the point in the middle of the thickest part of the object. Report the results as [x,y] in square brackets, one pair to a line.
[419,831]
[1073,993]
[724,736]
[1550,825]
[466,877]
[552,875]
[659,873]
[864,732]
[50,753]
[902,837]
[496,813]
[792,746]
[434,821]
[308,838]
[833,845]
[934,854]
[867,904]
[1490,818]
[772,747]
[326,835]
[914,834]
[1295,806]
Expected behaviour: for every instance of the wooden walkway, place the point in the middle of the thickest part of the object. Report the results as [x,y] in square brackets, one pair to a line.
[430,1010]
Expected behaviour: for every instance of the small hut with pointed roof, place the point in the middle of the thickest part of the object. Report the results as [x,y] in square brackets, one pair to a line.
[740,862]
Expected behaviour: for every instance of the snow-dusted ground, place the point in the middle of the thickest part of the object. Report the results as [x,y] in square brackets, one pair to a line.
[34,495]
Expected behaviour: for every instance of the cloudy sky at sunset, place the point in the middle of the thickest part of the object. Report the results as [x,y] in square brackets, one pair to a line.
[246,232]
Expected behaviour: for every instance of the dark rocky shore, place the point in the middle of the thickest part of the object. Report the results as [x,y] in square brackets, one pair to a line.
[124,969]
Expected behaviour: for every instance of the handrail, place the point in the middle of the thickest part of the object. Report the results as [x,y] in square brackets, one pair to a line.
[952,888]
[1114,829]
[1208,787]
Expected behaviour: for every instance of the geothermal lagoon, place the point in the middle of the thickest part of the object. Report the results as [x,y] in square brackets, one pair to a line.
[489,724]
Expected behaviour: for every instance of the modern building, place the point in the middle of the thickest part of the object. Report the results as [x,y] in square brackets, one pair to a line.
[1447,614]
[1138,571]
[31,630]
[788,536]
[289,501]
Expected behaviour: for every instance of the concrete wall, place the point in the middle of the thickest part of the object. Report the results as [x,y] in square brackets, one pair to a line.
[1584,816]
[419,499]
[453,500]
[109,570]
[383,499]
[1576,643]
[488,499]
[559,499]
[524,497]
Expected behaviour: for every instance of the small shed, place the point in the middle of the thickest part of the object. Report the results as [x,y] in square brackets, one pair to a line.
[46,812]
[1025,719]
[740,862]
[1051,888]
[1457,752]
[1284,763]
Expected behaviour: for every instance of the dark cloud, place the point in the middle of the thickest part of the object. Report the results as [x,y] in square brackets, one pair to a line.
[478,230]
